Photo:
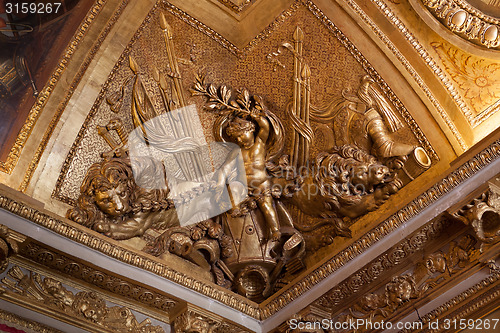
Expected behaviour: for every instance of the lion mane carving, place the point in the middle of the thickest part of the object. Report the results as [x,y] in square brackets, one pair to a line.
[112,203]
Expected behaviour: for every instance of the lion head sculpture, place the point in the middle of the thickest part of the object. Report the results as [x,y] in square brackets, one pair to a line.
[106,193]
[346,174]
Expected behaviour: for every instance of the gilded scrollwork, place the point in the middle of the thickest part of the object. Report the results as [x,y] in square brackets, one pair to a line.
[427,274]
[237,6]
[84,305]
[204,244]
[459,17]
[191,321]
[8,247]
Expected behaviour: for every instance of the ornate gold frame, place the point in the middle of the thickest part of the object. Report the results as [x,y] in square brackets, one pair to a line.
[29,324]
[55,119]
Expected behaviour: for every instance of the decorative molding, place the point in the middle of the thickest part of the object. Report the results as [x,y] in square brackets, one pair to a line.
[393,19]
[86,309]
[70,90]
[194,319]
[237,6]
[97,277]
[8,165]
[466,21]
[26,323]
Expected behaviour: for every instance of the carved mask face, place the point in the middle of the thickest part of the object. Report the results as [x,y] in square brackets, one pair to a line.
[436,263]
[114,202]
[91,312]
[90,306]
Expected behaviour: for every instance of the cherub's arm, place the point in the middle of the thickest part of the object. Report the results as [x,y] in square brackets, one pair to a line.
[263,125]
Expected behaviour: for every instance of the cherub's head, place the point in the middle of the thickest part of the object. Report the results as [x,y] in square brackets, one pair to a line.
[241,131]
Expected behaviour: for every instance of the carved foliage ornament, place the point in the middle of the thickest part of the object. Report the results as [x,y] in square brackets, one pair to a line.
[477,79]
[433,270]
[257,244]
[86,306]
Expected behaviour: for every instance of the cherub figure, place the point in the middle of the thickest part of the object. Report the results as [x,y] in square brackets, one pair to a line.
[252,142]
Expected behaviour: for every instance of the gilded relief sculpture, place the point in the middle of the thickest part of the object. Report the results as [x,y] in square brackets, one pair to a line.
[427,274]
[367,120]
[112,203]
[83,306]
[483,216]
[243,218]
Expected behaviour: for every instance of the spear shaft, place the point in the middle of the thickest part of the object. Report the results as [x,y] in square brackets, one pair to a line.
[176,77]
